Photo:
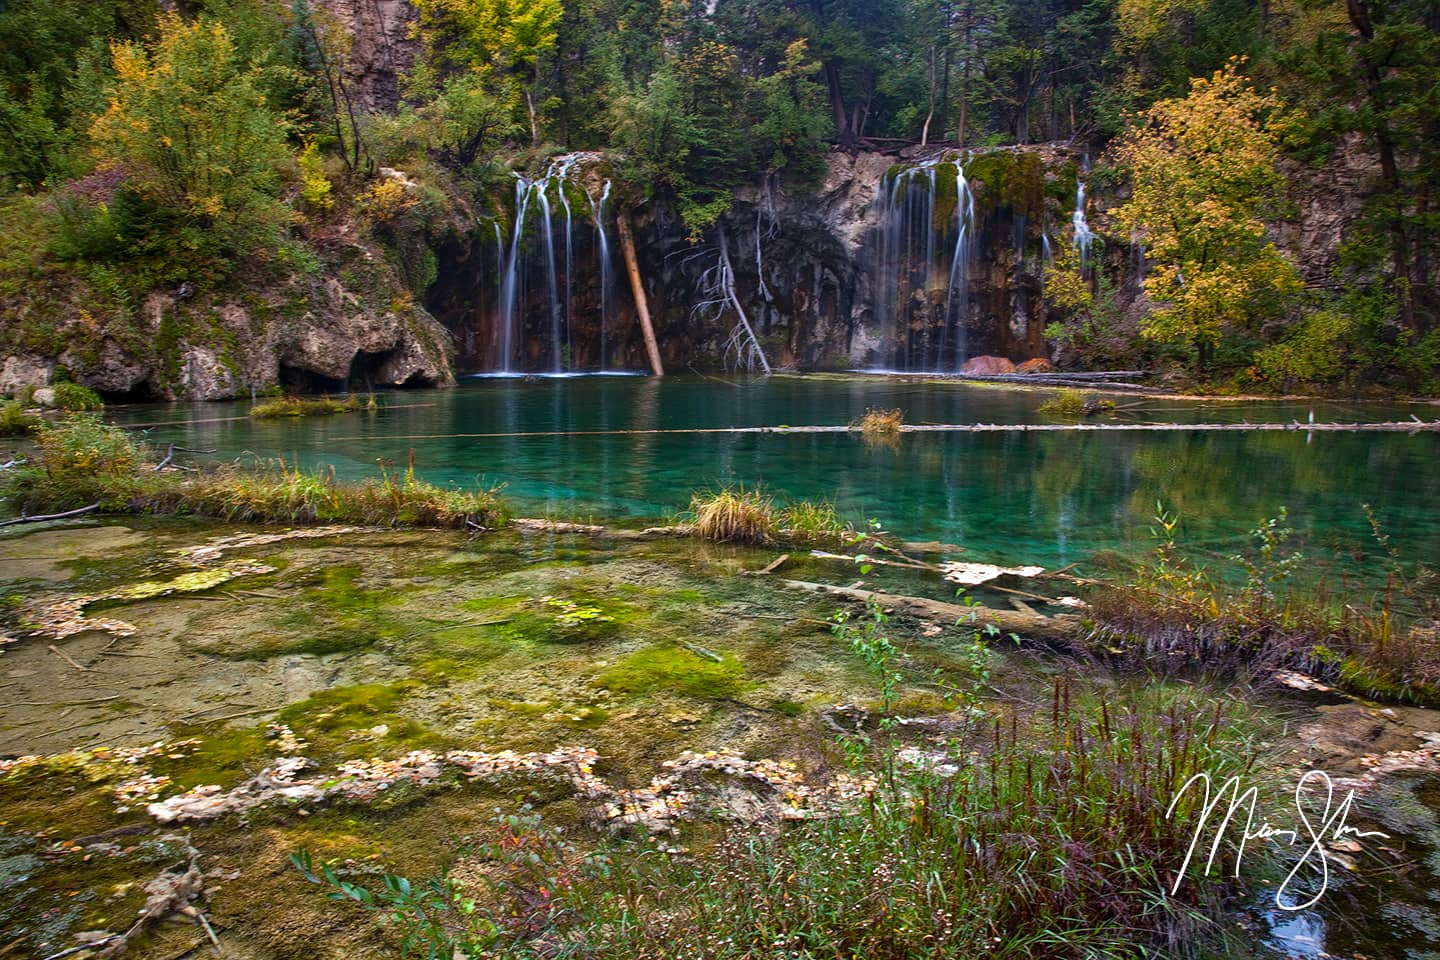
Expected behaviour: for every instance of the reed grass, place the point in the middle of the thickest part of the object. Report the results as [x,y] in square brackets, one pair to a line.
[1170,614]
[810,521]
[734,515]
[1043,836]
[82,461]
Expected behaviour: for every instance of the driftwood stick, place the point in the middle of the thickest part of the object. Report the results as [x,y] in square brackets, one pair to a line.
[1062,628]
[63,703]
[237,716]
[1017,593]
[700,651]
[867,558]
[51,516]
[775,564]
[67,658]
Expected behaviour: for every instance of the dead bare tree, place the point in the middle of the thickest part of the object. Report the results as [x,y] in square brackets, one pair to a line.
[718,296]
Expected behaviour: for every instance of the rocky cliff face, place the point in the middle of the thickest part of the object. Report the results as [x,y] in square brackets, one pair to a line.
[381,51]
[841,275]
[348,324]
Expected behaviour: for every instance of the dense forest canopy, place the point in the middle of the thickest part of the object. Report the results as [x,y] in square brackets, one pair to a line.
[142,146]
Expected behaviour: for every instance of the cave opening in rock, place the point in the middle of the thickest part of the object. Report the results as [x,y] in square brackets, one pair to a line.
[142,392]
[299,380]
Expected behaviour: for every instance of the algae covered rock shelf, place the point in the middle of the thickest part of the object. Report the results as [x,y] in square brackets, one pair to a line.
[374,700]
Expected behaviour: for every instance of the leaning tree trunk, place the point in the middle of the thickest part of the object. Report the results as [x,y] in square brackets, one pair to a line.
[637,286]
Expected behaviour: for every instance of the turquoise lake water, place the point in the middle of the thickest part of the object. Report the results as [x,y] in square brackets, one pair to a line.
[1049,498]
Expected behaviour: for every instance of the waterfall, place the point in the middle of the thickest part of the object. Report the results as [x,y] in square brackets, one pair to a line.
[597,213]
[1084,236]
[514,278]
[555,309]
[559,307]
[916,290]
[960,264]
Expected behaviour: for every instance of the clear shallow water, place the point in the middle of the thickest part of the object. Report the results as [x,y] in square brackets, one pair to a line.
[1042,498]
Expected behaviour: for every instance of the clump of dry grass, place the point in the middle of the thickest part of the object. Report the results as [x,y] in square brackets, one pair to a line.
[880,423]
[734,515]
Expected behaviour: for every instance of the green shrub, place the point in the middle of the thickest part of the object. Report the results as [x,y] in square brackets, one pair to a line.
[15,421]
[82,446]
[75,398]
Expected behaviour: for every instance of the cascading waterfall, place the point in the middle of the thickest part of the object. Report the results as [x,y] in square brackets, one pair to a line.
[960,264]
[548,230]
[917,290]
[1084,236]
[510,294]
[597,214]
[558,294]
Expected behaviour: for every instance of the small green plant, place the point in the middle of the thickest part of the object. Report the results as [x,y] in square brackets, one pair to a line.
[1270,566]
[534,871]
[868,640]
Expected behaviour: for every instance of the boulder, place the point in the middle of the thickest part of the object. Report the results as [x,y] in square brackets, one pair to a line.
[19,372]
[203,376]
[985,366]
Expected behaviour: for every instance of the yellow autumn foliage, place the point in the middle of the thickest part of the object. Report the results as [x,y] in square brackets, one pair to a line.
[1204,176]
[191,125]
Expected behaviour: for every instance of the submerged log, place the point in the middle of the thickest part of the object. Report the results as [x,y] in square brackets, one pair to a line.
[1393,426]
[637,286]
[51,516]
[1063,629]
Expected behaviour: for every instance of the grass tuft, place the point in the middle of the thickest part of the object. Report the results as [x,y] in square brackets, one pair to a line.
[810,521]
[1074,404]
[880,423]
[308,407]
[734,515]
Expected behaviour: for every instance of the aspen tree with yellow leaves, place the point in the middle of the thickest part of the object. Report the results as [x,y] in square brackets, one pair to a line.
[191,128]
[1205,180]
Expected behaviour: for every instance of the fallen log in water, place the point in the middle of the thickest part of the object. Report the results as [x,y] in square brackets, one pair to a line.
[1062,629]
[1294,426]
